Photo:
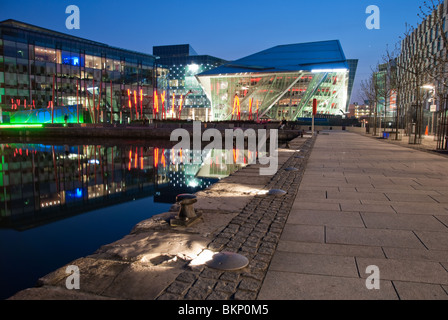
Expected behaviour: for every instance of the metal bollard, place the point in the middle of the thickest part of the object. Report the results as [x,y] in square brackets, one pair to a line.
[187,214]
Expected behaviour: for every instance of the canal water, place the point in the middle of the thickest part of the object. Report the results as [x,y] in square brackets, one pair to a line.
[61,202]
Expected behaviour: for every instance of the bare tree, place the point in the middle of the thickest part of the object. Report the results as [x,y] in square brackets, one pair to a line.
[413,67]
[369,92]
[396,84]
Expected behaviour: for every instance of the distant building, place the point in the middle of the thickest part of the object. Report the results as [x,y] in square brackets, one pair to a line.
[182,90]
[40,68]
[422,70]
[358,111]
[282,82]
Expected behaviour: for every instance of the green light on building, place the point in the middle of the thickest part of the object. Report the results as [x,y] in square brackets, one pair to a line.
[20,126]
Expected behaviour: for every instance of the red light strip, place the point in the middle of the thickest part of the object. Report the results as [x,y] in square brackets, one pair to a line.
[141,102]
[162,96]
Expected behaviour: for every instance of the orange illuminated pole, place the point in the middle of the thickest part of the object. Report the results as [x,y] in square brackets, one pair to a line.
[172,109]
[250,109]
[236,107]
[135,103]
[180,106]
[156,157]
[130,103]
[162,96]
[141,158]
[182,99]
[163,161]
[141,103]
[155,109]
[257,111]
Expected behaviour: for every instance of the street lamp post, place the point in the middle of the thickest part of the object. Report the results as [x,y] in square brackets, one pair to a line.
[432,89]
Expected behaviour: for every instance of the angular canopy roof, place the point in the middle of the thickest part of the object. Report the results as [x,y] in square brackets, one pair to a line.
[288,58]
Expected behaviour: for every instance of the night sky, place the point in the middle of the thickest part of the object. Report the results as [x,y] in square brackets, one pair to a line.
[228,29]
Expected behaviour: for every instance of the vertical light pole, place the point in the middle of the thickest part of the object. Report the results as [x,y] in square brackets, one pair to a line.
[432,89]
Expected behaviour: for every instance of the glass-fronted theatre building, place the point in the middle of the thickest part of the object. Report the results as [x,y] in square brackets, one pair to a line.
[281,83]
[45,75]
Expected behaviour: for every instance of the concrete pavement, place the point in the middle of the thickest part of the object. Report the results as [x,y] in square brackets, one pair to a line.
[363,202]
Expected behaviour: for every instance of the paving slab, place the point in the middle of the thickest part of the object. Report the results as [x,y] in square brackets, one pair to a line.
[325,218]
[331,249]
[296,286]
[314,264]
[420,291]
[406,270]
[402,222]
[433,240]
[372,237]
[303,233]
[416,254]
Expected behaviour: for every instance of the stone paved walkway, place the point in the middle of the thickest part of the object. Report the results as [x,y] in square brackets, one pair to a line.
[364,202]
[254,233]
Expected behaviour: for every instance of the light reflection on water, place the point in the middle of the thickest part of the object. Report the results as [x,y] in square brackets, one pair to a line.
[61,202]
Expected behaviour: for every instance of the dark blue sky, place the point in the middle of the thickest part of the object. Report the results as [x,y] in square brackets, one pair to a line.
[228,29]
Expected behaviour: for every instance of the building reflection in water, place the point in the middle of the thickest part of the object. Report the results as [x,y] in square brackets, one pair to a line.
[44,183]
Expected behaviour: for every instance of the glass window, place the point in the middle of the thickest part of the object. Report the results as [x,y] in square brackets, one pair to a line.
[58,57]
[89,61]
[71,58]
[10,65]
[109,65]
[82,59]
[17,50]
[96,62]
[93,62]
[10,79]
[22,51]
[22,66]
[65,55]
[117,65]
[75,59]
[45,54]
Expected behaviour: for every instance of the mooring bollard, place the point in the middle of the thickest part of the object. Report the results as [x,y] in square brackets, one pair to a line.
[187,215]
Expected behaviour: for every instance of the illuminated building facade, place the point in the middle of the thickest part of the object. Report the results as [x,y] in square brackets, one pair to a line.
[184,96]
[44,69]
[282,82]
[359,111]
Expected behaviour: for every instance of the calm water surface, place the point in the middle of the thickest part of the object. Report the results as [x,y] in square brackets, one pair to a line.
[62,202]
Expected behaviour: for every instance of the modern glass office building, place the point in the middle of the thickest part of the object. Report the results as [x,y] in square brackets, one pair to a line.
[282,82]
[184,97]
[50,71]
